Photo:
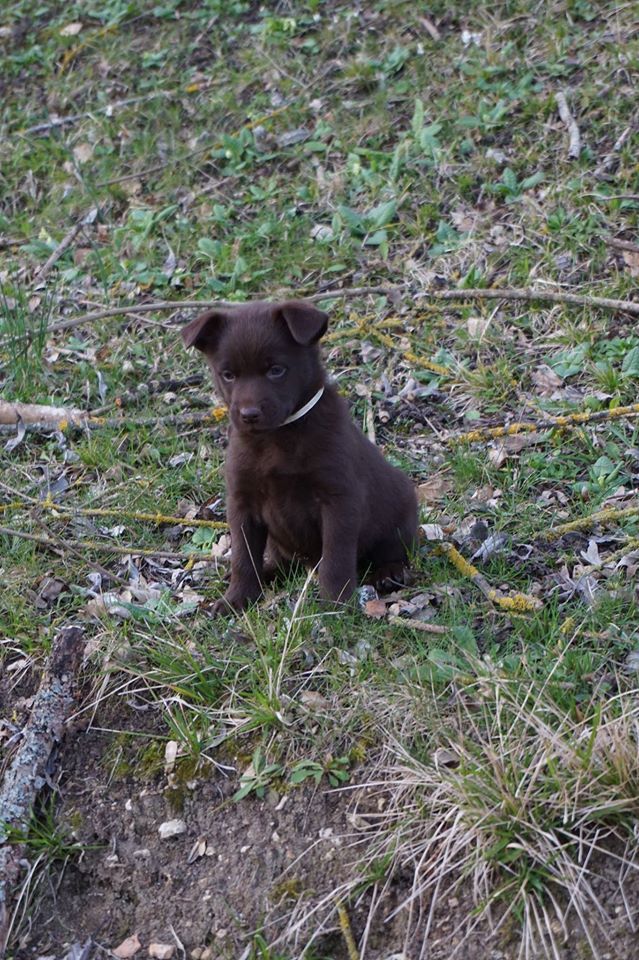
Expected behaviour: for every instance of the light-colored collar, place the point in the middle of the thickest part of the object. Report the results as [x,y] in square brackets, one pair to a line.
[304,410]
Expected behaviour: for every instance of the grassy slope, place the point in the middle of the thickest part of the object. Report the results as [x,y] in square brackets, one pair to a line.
[430,161]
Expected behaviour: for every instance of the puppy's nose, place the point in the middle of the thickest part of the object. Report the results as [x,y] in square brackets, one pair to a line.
[250,414]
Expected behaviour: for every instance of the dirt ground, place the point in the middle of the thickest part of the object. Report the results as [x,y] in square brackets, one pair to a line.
[239,868]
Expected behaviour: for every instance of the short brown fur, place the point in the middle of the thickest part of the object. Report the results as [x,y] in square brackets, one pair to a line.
[315,489]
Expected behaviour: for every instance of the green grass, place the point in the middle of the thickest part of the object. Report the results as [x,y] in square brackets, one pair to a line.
[274,152]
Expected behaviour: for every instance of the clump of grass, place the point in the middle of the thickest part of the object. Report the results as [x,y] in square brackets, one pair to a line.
[24,332]
[508,800]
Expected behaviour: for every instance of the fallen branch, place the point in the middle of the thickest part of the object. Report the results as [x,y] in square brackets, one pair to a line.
[613,196]
[213,416]
[517,293]
[574,147]
[584,523]
[159,519]
[175,305]
[513,603]
[514,293]
[551,423]
[109,547]
[34,413]
[29,770]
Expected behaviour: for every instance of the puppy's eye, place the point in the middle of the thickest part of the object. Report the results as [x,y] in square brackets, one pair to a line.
[228,375]
[276,372]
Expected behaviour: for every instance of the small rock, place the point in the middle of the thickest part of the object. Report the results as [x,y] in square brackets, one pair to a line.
[128,948]
[171,828]
[161,951]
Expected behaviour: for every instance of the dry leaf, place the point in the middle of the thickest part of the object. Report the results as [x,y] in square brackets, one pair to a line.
[631,259]
[71,30]
[83,152]
[434,489]
[314,700]
[477,327]
[510,445]
[132,187]
[161,951]
[375,608]
[432,531]
[546,380]
[445,758]
[591,555]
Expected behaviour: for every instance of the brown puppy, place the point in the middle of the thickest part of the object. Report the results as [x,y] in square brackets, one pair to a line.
[302,480]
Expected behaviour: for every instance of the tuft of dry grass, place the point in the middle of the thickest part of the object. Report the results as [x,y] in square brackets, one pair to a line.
[495,794]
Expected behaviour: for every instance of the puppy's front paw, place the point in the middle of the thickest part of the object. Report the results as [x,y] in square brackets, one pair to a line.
[390,576]
[233,601]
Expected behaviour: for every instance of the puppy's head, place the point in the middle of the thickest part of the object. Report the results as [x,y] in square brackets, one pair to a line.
[263,357]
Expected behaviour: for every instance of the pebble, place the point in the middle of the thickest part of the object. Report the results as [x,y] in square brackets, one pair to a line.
[171,828]
[161,951]
[128,948]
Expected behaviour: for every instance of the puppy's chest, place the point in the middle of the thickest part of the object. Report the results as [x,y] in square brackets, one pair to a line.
[287,500]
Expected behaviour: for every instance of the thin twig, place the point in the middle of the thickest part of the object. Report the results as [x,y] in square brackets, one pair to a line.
[430,28]
[622,244]
[574,148]
[65,243]
[613,196]
[56,122]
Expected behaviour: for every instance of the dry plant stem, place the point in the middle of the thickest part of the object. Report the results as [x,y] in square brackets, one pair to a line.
[28,772]
[609,515]
[419,625]
[176,305]
[574,148]
[567,420]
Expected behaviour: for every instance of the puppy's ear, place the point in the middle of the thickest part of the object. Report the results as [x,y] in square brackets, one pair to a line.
[204,332]
[305,322]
